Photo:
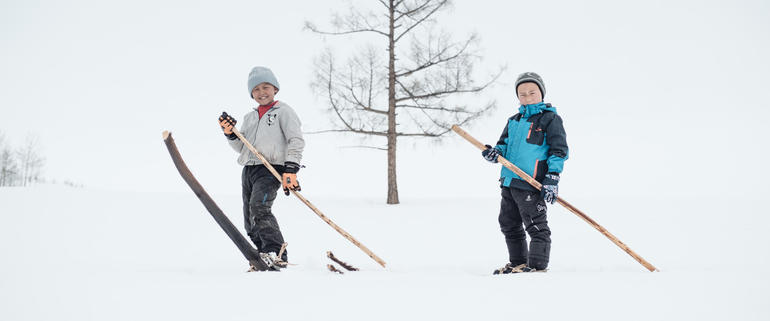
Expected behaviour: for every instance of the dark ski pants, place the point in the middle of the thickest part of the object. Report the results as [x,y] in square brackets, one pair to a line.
[260,188]
[523,210]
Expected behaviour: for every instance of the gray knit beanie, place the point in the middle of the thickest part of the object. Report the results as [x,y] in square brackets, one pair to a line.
[259,75]
[531,77]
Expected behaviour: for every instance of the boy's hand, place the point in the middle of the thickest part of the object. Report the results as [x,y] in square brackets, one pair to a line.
[550,188]
[290,182]
[227,123]
[490,154]
[226,127]
[289,179]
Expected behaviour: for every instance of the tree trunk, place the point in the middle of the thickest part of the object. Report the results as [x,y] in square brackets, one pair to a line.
[392,183]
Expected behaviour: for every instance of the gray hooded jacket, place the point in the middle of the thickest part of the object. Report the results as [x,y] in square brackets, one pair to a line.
[277,136]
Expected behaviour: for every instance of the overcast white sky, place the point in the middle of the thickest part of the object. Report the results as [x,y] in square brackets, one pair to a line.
[658,97]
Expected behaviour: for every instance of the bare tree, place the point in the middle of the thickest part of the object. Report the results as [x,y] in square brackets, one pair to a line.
[8,169]
[415,90]
[30,160]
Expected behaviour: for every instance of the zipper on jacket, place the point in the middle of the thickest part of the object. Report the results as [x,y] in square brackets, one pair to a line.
[529,133]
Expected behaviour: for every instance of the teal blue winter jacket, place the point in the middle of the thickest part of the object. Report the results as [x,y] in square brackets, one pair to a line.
[535,141]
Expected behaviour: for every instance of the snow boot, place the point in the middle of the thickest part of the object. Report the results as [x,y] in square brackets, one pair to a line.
[273,261]
[521,268]
[510,268]
[528,269]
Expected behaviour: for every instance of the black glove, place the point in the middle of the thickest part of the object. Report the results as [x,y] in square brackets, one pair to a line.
[550,188]
[490,154]
[225,119]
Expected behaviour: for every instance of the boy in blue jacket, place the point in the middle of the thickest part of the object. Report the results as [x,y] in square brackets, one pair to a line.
[535,141]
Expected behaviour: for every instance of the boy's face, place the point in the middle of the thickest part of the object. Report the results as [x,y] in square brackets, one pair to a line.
[529,93]
[264,93]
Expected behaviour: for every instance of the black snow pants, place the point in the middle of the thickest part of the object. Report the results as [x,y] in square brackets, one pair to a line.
[260,188]
[522,210]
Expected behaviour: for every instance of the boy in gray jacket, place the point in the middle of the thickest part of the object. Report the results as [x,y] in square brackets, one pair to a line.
[274,129]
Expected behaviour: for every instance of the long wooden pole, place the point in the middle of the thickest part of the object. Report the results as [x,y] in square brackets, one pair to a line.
[310,205]
[560,200]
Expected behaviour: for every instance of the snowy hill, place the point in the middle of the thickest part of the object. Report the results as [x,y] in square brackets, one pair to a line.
[663,102]
[82,254]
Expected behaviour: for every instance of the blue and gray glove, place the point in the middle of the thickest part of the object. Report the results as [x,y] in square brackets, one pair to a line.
[490,154]
[550,188]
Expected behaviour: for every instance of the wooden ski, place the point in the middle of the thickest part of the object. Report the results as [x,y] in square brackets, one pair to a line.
[243,245]
[348,267]
[334,269]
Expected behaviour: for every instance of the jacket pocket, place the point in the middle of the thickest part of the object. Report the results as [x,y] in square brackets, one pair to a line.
[536,134]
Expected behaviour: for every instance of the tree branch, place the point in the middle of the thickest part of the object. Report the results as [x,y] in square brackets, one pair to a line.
[410,11]
[451,110]
[369,147]
[438,94]
[422,134]
[357,131]
[440,60]
[438,6]
[357,101]
[313,28]
[331,98]
[354,22]
[387,6]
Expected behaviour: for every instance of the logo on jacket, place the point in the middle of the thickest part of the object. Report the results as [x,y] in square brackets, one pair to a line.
[271,119]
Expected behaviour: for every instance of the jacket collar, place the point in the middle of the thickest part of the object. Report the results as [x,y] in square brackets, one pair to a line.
[274,105]
[529,110]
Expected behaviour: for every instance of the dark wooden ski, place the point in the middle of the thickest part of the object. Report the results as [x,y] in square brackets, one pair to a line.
[248,251]
[348,267]
[334,269]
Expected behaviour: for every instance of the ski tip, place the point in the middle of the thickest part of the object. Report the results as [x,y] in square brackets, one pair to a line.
[165,134]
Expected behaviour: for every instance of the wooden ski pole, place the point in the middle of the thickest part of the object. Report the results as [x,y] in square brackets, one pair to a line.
[310,205]
[560,200]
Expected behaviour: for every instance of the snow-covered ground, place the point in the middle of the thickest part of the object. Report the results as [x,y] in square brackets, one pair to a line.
[665,104]
[89,254]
